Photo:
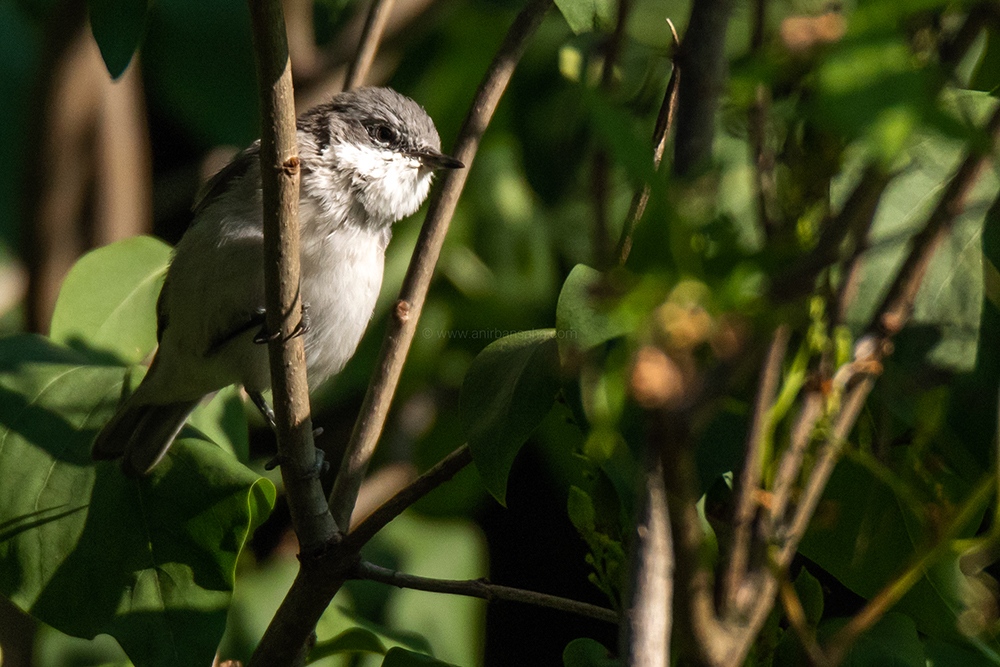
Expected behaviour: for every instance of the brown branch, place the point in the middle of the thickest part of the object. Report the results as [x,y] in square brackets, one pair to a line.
[417,489]
[480,588]
[702,59]
[753,465]
[279,165]
[791,461]
[797,619]
[661,131]
[378,16]
[402,324]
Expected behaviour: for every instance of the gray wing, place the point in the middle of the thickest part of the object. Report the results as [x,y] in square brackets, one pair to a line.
[223,180]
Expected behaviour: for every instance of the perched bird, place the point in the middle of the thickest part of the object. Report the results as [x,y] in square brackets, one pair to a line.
[367,158]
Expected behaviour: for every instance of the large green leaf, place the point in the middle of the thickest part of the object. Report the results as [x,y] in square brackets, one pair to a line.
[118,26]
[107,304]
[400,657]
[866,533]
[509,389]
[950,297]
[587,15]
[150,561]
[586,652]
[582,320]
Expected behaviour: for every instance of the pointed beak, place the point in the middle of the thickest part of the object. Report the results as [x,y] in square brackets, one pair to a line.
[437,160]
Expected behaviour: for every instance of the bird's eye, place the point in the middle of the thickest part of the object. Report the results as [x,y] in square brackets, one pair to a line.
[383,134]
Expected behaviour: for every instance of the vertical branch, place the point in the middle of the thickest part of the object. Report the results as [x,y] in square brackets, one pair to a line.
[648,615]
[378,16]
[702,58]
[403,321]
[279,164]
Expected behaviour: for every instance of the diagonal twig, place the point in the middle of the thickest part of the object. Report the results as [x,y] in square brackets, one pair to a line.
[661,131]
[378,16]
[480,588]
[402,324]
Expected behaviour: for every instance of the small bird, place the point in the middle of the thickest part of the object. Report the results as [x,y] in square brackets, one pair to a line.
[367,158]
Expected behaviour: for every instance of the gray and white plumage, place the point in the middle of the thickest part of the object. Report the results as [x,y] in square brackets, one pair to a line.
[367,157]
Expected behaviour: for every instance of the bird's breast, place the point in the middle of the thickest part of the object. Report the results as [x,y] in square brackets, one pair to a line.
[341,279]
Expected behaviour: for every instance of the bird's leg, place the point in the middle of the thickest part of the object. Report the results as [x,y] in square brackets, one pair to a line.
[321,466]
[264,336]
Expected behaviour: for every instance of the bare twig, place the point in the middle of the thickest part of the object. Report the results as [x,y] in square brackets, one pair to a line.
[378,16]
[702,59]
[853,403]
[280,189]
[791,460]
[661,131]
[602,164]
[402,324]
[797,619]
[390,509]
[753,465]
[480,588]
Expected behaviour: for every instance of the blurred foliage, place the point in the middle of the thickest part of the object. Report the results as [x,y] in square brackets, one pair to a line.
[527,348]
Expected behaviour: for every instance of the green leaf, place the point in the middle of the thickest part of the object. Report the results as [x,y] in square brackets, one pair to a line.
[587,15]
[580,508]
[508,390]
[86,550]
[586,652]
[892,642]
[582,321]
[865,534]
[118,27]
[355,640]
[810,593]
[107,304]
[400,657]
[950,297]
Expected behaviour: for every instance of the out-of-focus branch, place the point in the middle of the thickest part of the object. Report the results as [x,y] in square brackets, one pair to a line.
[420,487]
[402,324]
[279,164]
[479,588]
[378,16]
[648,611]
[702,59]
[753,464]
[661,131]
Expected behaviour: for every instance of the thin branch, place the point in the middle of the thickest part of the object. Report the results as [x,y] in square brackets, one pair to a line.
[791,460]
[897,306]
[702,58]
[403,323]
[661,131]
[480,588]
[280,189]
[753,466]
[378,16]
[797,619]
[417,489]
[602,164]
[853,404]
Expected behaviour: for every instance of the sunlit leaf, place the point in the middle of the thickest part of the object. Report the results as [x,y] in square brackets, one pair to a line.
[150,561]
[107,303]
[587,15]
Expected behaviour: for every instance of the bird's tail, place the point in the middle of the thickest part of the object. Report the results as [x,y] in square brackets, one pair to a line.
[141,433]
